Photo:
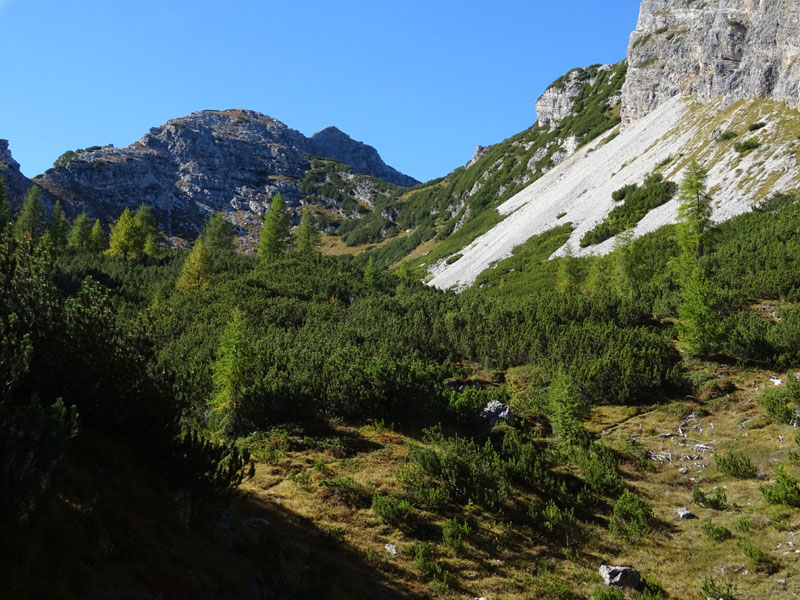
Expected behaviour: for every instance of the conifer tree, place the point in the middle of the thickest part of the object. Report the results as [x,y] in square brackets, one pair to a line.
[58,227]
[370,274]
[624,265]
[5,207]
[218,234]
[698,329]
[694,212]
[566,275]
[80,235]
[31,221]
[97,238]
[232,374]
[276,236]
[196,271]
[306,236]
[124,239]
[566,410]
[146,230]
[597,278]
[699,326]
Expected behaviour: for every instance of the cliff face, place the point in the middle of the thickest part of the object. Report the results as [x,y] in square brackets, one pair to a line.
[335,144]
[188,168]
[15,182]
[729,48]
[558,101]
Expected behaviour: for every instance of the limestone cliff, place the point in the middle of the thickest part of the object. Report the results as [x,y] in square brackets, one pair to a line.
[15,182]
[730,48]
[233,161]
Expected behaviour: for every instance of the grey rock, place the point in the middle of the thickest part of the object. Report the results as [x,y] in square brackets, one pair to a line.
[685,513]
[337,145]
[391,549]
[17,185]
[558,100]
[621,577]
[479,153]
[494,413]
[233,161]
[730,48]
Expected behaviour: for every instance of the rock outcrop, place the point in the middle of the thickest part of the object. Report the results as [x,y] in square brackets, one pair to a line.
[558,101]
[337,145]
[233,161]
[17,185]
[730,48]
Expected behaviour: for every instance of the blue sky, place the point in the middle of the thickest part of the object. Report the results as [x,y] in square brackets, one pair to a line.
[422,81]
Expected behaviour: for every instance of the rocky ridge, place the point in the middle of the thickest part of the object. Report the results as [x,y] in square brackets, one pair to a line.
[16,183]
[732,49]
[233,161]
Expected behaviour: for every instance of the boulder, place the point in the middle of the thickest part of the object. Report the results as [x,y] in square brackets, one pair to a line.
[685,513]
[621,577]
[495,412]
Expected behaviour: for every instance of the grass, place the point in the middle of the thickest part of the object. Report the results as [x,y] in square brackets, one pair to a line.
[474,553]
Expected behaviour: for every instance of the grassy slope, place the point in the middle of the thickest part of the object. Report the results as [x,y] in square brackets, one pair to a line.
[501,563]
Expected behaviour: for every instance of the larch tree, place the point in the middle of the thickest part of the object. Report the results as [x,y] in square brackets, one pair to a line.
[80,235]
[196,271]
[699,325]
[32,221]
[146,230]
[98,241]
[232,375]
[123,240]
[58,228]
[306,236]
[694,212]
[218,234]
[276,237]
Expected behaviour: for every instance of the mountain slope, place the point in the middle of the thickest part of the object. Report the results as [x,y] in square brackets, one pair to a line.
[232,161]
[668,58]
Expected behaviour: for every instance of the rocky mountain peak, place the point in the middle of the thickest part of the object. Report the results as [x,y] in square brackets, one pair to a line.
[729,48]
[15,182]
[334,143]
[232,160]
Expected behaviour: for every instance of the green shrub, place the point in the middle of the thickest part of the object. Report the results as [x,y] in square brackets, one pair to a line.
[651,590]
[716,533]
[453,533]
[756,126]
[598,466]
[781,403]
[746,145]
[718,500]
[744,524]
[654,192]
[389,509]
[632,518]
[718,591]
[775,402]
[727,136]
[784,491]
[759,559]
[736,464]
[608,593]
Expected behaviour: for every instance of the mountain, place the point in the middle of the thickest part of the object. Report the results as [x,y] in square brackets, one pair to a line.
[714,82]
[232,161]
[16,183]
